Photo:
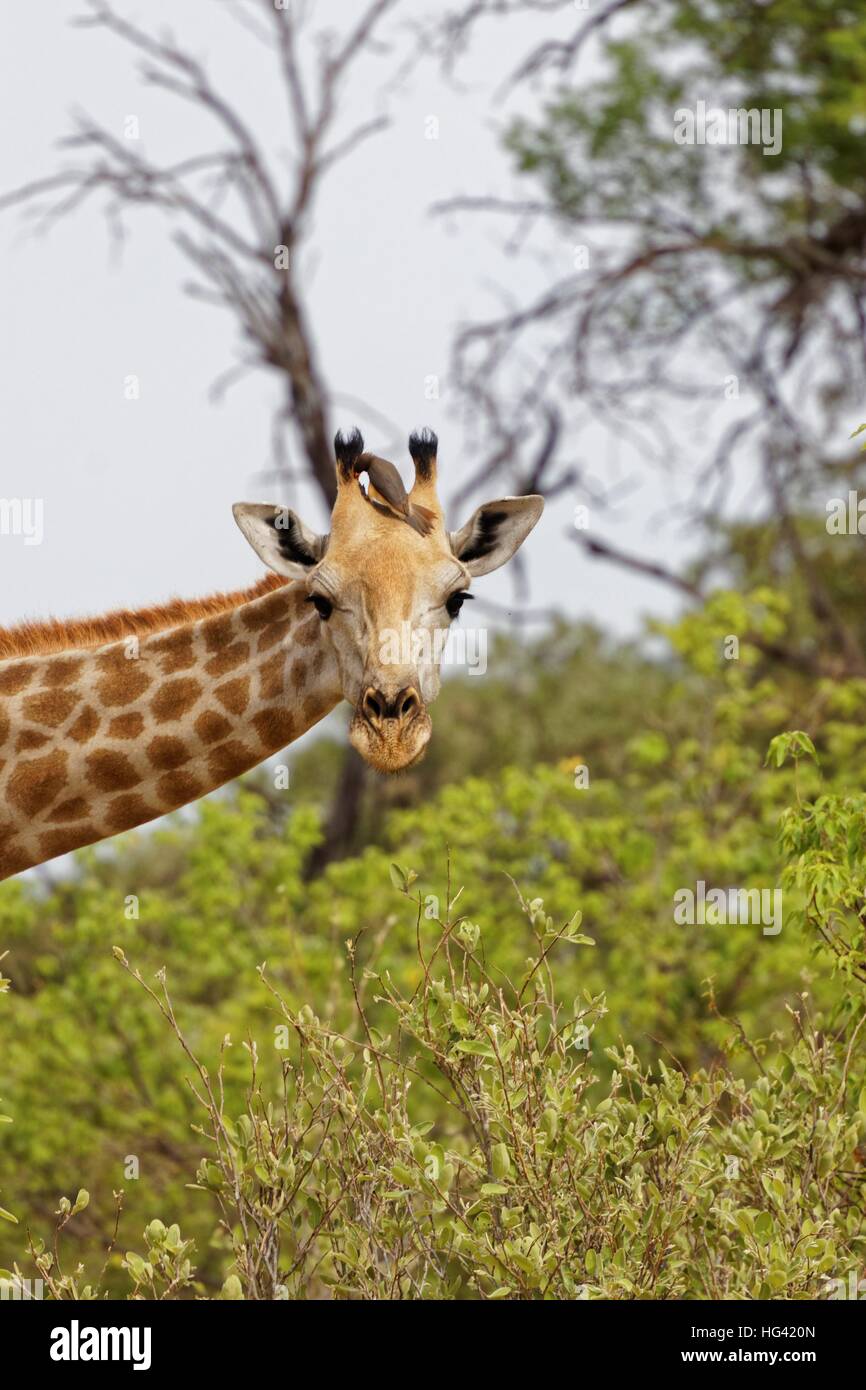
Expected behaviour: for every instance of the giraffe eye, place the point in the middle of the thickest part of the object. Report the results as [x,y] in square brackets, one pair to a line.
[455,603]
[322,605]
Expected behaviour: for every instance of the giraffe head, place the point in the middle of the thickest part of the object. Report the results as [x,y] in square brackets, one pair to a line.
[386,594]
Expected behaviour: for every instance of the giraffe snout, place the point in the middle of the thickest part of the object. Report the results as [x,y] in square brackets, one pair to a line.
[391,728]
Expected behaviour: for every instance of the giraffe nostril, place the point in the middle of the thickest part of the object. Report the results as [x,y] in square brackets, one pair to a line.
[372,703]
[408,702]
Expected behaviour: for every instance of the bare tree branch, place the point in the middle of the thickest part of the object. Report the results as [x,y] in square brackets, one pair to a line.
[233,219]
[602,550]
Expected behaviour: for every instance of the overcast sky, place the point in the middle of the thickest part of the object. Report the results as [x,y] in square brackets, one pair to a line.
[138,493]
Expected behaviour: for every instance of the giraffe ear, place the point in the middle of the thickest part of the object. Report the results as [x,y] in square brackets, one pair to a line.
[495,532]
[280,538]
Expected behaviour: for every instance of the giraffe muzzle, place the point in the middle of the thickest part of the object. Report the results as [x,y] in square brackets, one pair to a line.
[390,730]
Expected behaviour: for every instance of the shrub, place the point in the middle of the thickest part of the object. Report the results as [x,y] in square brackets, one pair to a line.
[334,1183]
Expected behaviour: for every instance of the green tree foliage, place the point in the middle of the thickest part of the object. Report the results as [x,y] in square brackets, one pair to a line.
[707,308]
[808,60]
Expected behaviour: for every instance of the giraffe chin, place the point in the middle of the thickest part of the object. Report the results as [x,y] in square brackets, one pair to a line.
[391,751]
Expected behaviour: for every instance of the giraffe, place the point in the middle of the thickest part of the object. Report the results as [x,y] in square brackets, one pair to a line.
[107,723]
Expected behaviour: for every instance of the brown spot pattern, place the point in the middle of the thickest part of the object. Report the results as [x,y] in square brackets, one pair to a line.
[272,677]
[166,753]
[85,725]
[126,725]
[61,671]
[128,810]
[269,610]
[13,859]
[35,783]
[177,788]
[30,739]
[175,699]
[218,632]
[15,678]
[234,695]
[275,728]
[124,685]
[55,842]
[226,661]
[38,786]
[177,650]
[211,726]
[73,809]
[275,633]
[229,760]
[111,771]
[51,707]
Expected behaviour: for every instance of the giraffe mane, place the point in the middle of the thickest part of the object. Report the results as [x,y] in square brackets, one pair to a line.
[75,634]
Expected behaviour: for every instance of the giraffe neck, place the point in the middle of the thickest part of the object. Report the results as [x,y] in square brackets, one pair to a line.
[97,741]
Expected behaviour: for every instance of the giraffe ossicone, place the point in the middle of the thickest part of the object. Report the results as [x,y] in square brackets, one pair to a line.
[108,723]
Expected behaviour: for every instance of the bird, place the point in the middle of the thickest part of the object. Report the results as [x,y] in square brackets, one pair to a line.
[386,491]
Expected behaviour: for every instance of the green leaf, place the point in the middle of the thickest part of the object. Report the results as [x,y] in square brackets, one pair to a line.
[500,1160]
[460,1017]
[136,1264]
[475,1048]
[232,1289]
[764,1227]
